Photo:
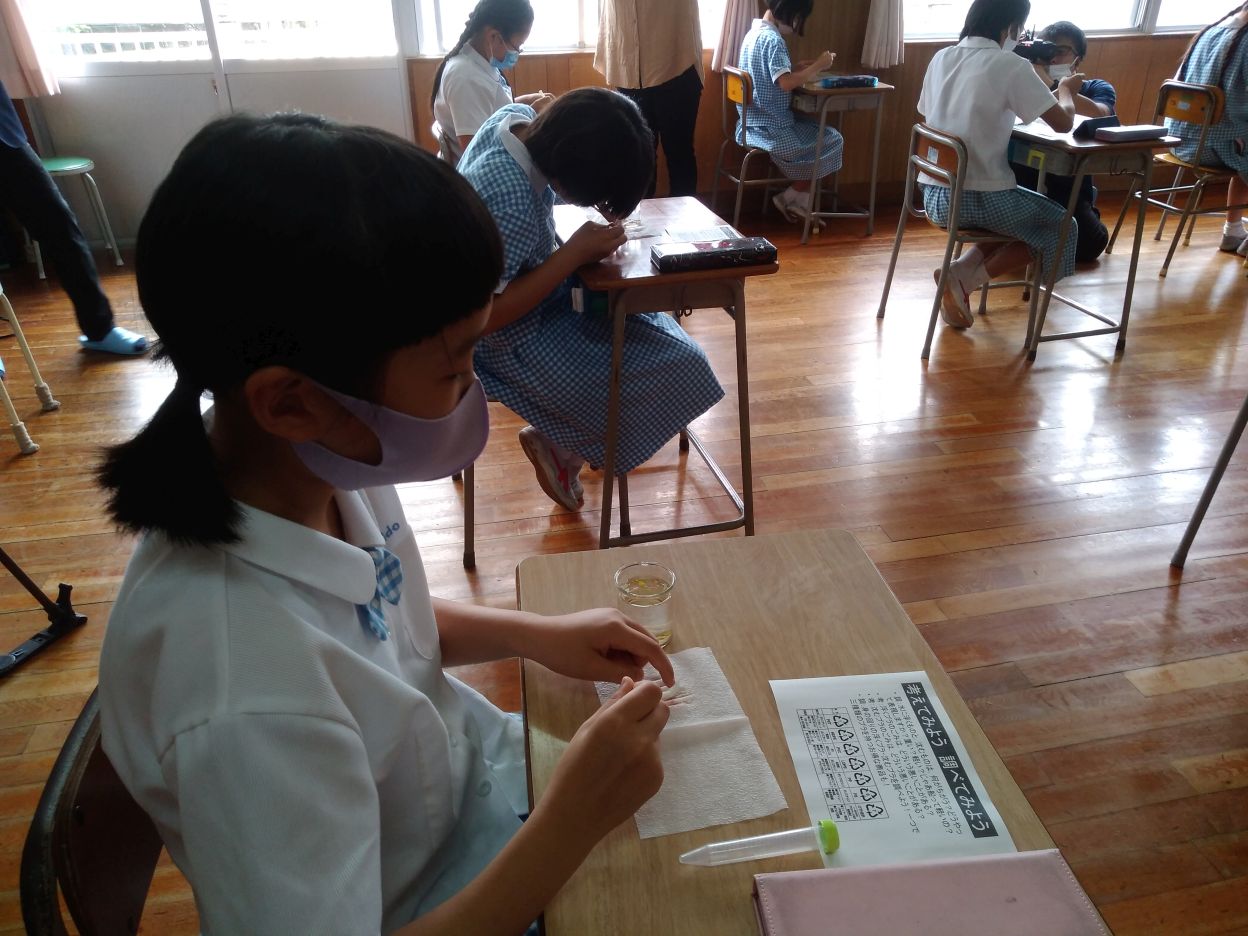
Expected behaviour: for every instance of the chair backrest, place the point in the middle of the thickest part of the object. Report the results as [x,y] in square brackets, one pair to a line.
[738,89]
[941,156]
[89,837]
[448,147]
[1186,102]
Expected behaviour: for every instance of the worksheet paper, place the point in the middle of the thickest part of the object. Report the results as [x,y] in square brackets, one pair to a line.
[879,755]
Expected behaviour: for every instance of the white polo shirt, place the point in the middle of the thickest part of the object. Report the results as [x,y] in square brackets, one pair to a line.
[973,91]
[305,776]
[471,91]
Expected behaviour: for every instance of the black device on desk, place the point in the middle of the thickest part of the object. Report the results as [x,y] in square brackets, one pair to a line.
[713,254]
[1086,128]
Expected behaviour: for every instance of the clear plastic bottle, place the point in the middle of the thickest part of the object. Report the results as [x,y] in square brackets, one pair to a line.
[821,837]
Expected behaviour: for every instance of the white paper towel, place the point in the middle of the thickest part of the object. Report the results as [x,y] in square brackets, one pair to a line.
[714,772]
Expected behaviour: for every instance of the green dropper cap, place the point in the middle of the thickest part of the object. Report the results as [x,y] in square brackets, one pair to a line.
[829,836]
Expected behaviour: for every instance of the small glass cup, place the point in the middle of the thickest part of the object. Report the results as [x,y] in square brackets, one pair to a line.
[643,592]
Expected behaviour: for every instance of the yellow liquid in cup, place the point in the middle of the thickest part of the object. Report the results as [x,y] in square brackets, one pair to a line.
[647,604]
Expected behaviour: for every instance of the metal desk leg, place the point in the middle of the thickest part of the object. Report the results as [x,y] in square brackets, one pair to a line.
[743,407]
[875,165]
[1211,486]
[1062,237]
[1145,188]
[814,180]
[613,415]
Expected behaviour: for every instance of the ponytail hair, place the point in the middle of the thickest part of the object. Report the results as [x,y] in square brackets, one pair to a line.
[322,219]
[509,17]
[1228,54]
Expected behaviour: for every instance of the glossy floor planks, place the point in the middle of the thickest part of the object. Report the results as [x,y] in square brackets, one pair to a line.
[1024,514]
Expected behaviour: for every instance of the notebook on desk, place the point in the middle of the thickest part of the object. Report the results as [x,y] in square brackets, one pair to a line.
[1030,893]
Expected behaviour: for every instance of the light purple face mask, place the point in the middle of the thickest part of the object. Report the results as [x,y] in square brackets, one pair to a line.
[412,449]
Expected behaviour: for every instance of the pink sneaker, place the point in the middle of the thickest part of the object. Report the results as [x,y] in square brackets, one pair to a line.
[561,483]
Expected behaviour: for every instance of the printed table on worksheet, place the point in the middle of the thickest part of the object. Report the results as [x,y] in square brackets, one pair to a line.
[878,755]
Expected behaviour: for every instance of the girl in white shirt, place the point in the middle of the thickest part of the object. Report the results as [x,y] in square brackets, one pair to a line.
[974,91]
[271,684]
[469,86]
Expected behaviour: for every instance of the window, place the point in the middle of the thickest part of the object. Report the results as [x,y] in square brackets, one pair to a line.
[944,18]
[123,30]
[1179,14]
[170,30]
[557,24]
[300,29]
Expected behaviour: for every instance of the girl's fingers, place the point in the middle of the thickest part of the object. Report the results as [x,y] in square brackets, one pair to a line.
[643,648]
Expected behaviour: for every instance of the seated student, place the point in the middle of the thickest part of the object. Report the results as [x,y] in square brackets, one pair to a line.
[1218,55]
[272,689]
[1096,98]
[974,91]
[469,85]
[772,125]
[539,356]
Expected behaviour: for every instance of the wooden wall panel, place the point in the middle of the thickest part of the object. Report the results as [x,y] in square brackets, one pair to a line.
[1135,65]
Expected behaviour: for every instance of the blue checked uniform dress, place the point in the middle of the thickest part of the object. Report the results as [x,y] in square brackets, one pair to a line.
[553,365]
[1225,144]
[773,126]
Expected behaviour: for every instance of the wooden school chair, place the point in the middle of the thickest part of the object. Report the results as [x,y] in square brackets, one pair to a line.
[942,156]
[739,89]
[24,442]
[1188,103]
[89,840]
[64,167]
[448,147]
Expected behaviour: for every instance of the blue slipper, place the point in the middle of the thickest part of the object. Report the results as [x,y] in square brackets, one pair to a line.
[117,341]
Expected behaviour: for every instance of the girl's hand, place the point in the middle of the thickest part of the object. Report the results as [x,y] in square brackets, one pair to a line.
[601,644]
[823,62]
[592,242]
[1072,84]
[544,100]
[611,766]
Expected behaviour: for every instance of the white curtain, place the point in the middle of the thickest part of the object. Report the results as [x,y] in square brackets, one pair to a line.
[738,15]
[24,69]
[885,43]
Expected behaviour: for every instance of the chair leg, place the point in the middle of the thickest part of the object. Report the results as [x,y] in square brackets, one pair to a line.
[892,263]
[1165,215]
[38,260]
[1186,217]
[93,195]
[626,528]
[684,440]
[42,390]
[470,517]
[741,177]
[719,168]
[940,287]
[983,299]
[25,444]
[1211,486]
[1131,193]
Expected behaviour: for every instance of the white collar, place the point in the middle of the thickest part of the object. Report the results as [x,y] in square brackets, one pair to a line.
[979,42]
[519,152]
[761,23]
[479,61]
[311,558]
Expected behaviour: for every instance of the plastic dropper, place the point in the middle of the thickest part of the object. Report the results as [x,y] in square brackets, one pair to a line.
[823,836]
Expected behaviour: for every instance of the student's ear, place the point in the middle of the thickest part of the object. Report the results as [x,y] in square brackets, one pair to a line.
[285,403]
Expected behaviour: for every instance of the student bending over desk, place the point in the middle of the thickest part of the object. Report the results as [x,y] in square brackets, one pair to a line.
[271,684]
[1219,56]
[773,126]
[539,356]
[974,91]
[469,85]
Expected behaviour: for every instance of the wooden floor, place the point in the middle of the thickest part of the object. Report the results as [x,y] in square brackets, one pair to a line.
[1024,514]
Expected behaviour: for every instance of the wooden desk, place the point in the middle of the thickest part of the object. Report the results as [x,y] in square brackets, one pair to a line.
[812,99]
[771,607]
[1048,152]
[633,286]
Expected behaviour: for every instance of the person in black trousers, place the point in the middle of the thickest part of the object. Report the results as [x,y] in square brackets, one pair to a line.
[30,193]
[651,51]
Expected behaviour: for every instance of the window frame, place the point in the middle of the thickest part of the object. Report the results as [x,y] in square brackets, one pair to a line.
[1144,23]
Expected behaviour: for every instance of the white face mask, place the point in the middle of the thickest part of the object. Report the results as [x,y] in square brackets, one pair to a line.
[1058,72]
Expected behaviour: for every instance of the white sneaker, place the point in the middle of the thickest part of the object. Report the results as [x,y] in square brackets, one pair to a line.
[1242,249]
[785,206]
[560,482]
[955,304]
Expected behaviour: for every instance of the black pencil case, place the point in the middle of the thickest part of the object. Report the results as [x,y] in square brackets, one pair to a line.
[709,255]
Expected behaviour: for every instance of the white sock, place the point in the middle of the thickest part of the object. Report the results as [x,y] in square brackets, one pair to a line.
[1230,228]
[970,268]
